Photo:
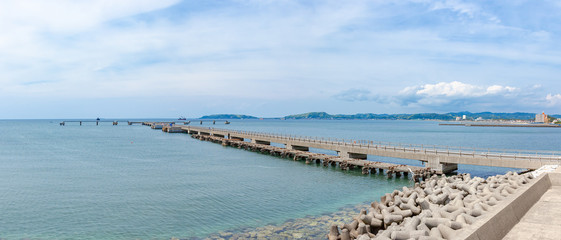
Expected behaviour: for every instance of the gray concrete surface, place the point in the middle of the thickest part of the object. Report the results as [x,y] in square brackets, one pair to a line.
[543,220]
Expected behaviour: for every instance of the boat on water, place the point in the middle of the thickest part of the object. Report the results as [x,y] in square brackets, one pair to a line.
[226,122]
[182,118]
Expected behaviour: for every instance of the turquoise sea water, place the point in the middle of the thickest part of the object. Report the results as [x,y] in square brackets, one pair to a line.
[131,182]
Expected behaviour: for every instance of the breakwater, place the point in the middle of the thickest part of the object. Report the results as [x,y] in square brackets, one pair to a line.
[367,167]
[442,159]
[439,208]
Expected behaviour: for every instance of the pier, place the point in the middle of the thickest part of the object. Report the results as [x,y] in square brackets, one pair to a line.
[344,163]
[63,123]
[442,159]
[116,122]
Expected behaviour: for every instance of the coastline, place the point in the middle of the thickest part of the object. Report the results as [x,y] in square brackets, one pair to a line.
[309,227]
[451,217]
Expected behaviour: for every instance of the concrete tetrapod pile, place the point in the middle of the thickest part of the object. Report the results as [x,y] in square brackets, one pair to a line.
[437,208]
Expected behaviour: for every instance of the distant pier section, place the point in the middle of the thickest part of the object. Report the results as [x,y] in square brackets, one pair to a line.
[158,124]
[63,123]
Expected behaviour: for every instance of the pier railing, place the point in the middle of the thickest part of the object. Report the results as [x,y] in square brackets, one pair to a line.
[516,154]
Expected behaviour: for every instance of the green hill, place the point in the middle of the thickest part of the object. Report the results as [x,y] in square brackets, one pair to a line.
[228,116]
[310,115]
[416,116]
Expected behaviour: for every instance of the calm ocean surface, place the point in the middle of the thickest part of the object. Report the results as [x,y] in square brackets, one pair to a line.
[131,182]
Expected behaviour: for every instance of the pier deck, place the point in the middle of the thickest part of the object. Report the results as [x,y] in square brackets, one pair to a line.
[367,167]
[439,158]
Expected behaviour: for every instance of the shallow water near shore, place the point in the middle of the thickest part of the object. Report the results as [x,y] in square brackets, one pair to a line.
[125,182]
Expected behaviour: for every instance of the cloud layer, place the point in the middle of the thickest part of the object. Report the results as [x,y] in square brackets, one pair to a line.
[356,56]
[459,96]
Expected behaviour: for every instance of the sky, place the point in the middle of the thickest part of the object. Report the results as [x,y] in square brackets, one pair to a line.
[171,58]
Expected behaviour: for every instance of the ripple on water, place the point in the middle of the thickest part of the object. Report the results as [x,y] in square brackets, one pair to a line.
[91,182]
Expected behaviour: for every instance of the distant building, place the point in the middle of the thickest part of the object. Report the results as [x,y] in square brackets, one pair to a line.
[458,118]
[464,117]
[541,118]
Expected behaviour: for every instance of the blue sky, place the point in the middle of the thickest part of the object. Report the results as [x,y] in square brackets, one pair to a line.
[168,58]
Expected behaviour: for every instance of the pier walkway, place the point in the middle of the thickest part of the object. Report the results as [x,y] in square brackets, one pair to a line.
[439,158]
[542,219]
[344,163]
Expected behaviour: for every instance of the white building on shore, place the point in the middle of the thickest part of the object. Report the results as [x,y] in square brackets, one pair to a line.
[541,118]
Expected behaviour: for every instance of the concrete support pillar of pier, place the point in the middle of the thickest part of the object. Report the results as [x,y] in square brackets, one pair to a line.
[449,167]
[436,165]
[352,155]
[295,147]
[260,142]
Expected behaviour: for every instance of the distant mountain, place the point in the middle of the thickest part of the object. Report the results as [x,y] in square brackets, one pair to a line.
[310,115]
[416,116]
[228,116]
[365,116]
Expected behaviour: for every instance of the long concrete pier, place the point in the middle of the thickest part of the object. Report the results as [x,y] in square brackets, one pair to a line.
[442,159]
[367,167]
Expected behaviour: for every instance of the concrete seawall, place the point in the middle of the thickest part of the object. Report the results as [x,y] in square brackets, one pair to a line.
[524,206]
[503,219]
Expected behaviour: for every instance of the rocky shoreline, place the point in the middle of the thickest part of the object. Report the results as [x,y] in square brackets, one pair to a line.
[311,227]
[437,208]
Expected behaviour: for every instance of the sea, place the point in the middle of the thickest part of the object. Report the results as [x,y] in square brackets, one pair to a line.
[132,182]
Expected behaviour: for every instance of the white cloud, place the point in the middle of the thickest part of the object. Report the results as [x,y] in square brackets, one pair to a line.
[457,6]
[451,89]
[497,89]
[553,100]
[457,89]
[226,52]
[458,95]
[272,50]
[68,15]
[454,96]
